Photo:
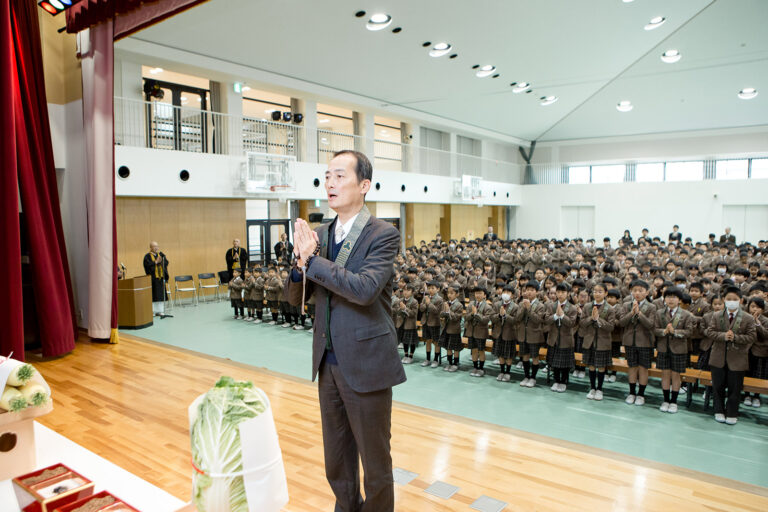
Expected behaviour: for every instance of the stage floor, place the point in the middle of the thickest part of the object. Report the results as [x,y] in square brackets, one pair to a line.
[128,403]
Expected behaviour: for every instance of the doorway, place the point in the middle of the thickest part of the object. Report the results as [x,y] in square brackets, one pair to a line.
[263,234]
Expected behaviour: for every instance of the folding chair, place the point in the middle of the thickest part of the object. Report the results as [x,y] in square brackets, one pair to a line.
[223,281]
[191,288]
[201,286]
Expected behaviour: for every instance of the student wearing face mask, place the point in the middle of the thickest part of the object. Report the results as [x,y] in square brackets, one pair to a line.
[504,332]
[732,332]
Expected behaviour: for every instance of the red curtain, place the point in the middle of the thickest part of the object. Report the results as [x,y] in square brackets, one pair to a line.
[129,15]
[27,157]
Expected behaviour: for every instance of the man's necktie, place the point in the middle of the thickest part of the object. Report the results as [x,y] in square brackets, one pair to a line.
[339,232]
[731,317]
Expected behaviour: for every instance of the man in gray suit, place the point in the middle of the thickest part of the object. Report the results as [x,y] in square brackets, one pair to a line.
[348,265]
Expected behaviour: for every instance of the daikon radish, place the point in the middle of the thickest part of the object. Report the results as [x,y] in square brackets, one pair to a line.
[12,400]
[20,375]
[34,393]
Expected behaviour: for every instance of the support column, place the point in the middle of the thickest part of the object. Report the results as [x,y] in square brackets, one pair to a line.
[363,125]
[306,132]
[228,129]
[403,219]
[445,223]
[411,139]
[406,210]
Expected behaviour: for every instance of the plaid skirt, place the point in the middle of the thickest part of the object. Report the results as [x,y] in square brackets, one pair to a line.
[703,363]
[669,361]
[451,341]
[504,349]
[597,358]
[758,367]
[476,343]
[236,303]
[273,304]
[430,333]
[639,356]
[615,349]
[531,349]
[561,358]
[409,337]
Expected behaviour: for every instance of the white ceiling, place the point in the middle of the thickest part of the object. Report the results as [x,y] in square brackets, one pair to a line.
[589,53]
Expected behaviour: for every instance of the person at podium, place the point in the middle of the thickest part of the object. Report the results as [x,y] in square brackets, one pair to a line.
[156,266]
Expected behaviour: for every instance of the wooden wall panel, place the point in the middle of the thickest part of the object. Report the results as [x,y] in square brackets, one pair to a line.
[193,233]
[469,221]
[426,222]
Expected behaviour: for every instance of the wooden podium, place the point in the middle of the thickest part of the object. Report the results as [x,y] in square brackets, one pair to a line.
[134,303]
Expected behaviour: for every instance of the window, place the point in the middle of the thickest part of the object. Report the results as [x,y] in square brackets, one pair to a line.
[731,169]
[608,173]
[759,168]
[685,171]
[578,175]
[647,173]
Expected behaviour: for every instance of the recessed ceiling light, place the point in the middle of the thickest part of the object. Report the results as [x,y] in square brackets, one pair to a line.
[520,87]
[199,99]
[184,99]
[485,71]
[155,71]
[670,56]
[324,140]
[624,106]
[379,21]
[324,121]
[747,93]
[655,22]
[245,88]
[548,100]
[628,1]
[440,49]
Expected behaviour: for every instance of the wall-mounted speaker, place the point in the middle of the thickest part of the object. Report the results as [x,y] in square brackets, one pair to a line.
[123,172]
[184,175]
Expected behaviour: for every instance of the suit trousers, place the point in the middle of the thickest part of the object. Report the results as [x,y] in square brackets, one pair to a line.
[722,377]
[356,425]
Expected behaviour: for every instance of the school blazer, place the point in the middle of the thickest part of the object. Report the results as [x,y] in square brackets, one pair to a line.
[706,341]
[677,343]
[563,328]
[530,323]
[637,329]
[699,308]
[453,317]
[504,326]
[598,331]
[360,316]
[476,325]
[733,353]
[432,310]
[760,347]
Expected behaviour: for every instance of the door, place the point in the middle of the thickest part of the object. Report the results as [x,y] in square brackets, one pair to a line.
[749,223]
[577,222]
[263,234]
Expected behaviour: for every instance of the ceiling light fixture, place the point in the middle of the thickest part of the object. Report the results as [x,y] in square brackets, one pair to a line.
[379,21]
[624,106]
[155,71]
[485,71]
[440,49]
[324,121]
[520,87]
[548,100]
[747,93]
[671,56]
[655,22]
[245,88]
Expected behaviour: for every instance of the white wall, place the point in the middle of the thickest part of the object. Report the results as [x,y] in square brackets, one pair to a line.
[730,143]
[155,173]
[696,206]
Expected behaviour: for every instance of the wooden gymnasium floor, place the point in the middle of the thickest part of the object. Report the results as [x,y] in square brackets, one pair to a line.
[128,403]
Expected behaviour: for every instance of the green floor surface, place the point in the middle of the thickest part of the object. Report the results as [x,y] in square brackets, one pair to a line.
[690,439]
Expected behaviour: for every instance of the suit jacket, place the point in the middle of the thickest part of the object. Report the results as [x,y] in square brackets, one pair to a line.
[362,332]
[598,331]
[677,342]
[727,239]
[734,353]
[561,329]
[638,329]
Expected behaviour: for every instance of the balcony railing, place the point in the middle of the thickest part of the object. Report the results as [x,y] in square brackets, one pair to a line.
[163,126]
